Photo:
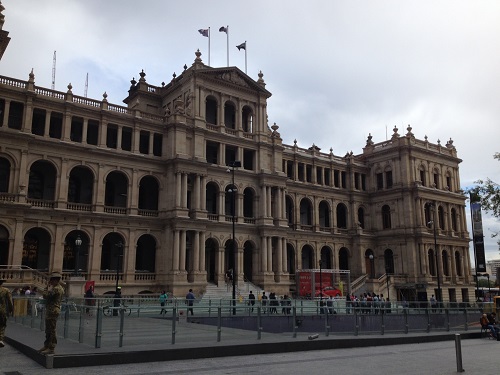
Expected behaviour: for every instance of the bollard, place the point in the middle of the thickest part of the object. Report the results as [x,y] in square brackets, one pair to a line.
[122,318]
[259,323]
[458,349]
[174,322]
[219,323]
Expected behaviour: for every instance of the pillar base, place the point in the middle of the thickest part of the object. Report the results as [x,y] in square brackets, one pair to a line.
[74,286]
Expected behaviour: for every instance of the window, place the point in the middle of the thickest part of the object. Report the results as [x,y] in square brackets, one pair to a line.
[319,175]
[144,142]
[211,111]
[111,136]
[380,181]
[363,182]
[388,179]
[448,183]
[422,176]
[92,132]
[386,217]
[55,127]
[231,153]
[327,177]
[436,179]
[248,159]
[38,122]
[343,179]
[301,172]
[76,129]
[309,173]
[336,179]
[356,180]
[157,144]
[212,152]
[16,115]
[127,139]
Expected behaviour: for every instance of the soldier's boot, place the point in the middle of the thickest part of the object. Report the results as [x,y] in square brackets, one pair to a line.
[47,351]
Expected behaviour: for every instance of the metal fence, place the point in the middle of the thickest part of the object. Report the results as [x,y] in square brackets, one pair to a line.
[137,320]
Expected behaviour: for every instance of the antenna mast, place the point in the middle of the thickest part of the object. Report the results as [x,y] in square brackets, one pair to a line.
[54,72]
[86,85]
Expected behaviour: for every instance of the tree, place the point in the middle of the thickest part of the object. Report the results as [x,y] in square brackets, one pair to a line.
[487,192]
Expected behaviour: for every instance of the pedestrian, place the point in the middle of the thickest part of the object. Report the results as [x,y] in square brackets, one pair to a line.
[264,302]
[163,301]
[117,298]
[251,300]
[433,303]
[89,300]
[6,309]
[53,295]
[329,304]
[190,300]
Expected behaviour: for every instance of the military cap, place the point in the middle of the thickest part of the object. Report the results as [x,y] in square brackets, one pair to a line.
[55,275]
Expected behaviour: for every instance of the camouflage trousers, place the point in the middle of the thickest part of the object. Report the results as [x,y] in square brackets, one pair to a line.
[50,332]
[3,324]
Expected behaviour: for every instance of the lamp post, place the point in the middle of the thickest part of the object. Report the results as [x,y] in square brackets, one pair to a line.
[78,243]
[387,269]
[119,246]
[433,222]
[234,164]
[321,280]
[372,266]
[489,285]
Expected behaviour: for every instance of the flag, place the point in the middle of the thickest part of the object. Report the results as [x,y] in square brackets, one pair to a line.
[223,29]
[242,46]
[203,32]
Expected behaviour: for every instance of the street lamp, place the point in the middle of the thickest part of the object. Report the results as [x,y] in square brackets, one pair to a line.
[387,269]
[119,246]
[320,280]
[372,266]
[433,222]
[78,243]
[234,164]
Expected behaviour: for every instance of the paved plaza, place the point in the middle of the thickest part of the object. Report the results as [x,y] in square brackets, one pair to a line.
[147,348]
[427,358]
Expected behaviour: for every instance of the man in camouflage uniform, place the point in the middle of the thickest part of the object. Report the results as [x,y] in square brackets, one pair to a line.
[53,296]
[6,309]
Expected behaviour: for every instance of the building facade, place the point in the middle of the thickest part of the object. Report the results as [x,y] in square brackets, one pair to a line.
[150,193]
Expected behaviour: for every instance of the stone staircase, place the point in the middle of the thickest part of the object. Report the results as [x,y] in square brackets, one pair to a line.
[225,291]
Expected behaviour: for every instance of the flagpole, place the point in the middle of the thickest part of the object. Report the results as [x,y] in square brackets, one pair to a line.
[227,38]
[245,57]
[209,46]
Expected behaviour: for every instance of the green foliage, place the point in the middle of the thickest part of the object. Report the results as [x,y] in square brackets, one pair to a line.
[487,192]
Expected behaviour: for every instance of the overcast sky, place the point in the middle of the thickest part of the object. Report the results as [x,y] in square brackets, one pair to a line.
[338,70]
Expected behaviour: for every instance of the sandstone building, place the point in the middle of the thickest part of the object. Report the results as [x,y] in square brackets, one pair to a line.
[146,189]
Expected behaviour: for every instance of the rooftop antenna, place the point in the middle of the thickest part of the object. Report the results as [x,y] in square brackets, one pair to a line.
[54,72]
[86,85]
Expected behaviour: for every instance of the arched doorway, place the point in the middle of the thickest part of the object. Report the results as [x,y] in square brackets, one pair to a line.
[4,245]
[75,256]
[248,250]
[343,259]
[307,257]
[36,249]
[211,249]
[370,263]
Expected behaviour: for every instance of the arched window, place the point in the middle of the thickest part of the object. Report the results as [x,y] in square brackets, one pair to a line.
[446,269]
[458,264]
[230,115]
[441,217]
[80,185]
[289,211]
[247,119]
[422,173]
[305,212]
[324,215]
[454,219]
[386,217]
[389,261]
[248,203]
[4,175]
[307,257]
[341,216]
[211,198]
[361,217]
[370,263]
[432,262]
[343,258]
[148,193]
[116,193]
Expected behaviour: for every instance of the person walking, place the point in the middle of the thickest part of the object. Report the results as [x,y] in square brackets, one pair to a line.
[190,300]
[163,300]
[89,300]
[117,300]
[6,309]
[53,295]
[251,300]
[264,302]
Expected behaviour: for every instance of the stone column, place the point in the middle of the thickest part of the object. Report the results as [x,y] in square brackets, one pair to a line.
[202,266]
[182,248]
[263,245]
[175,251]
[270,254]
